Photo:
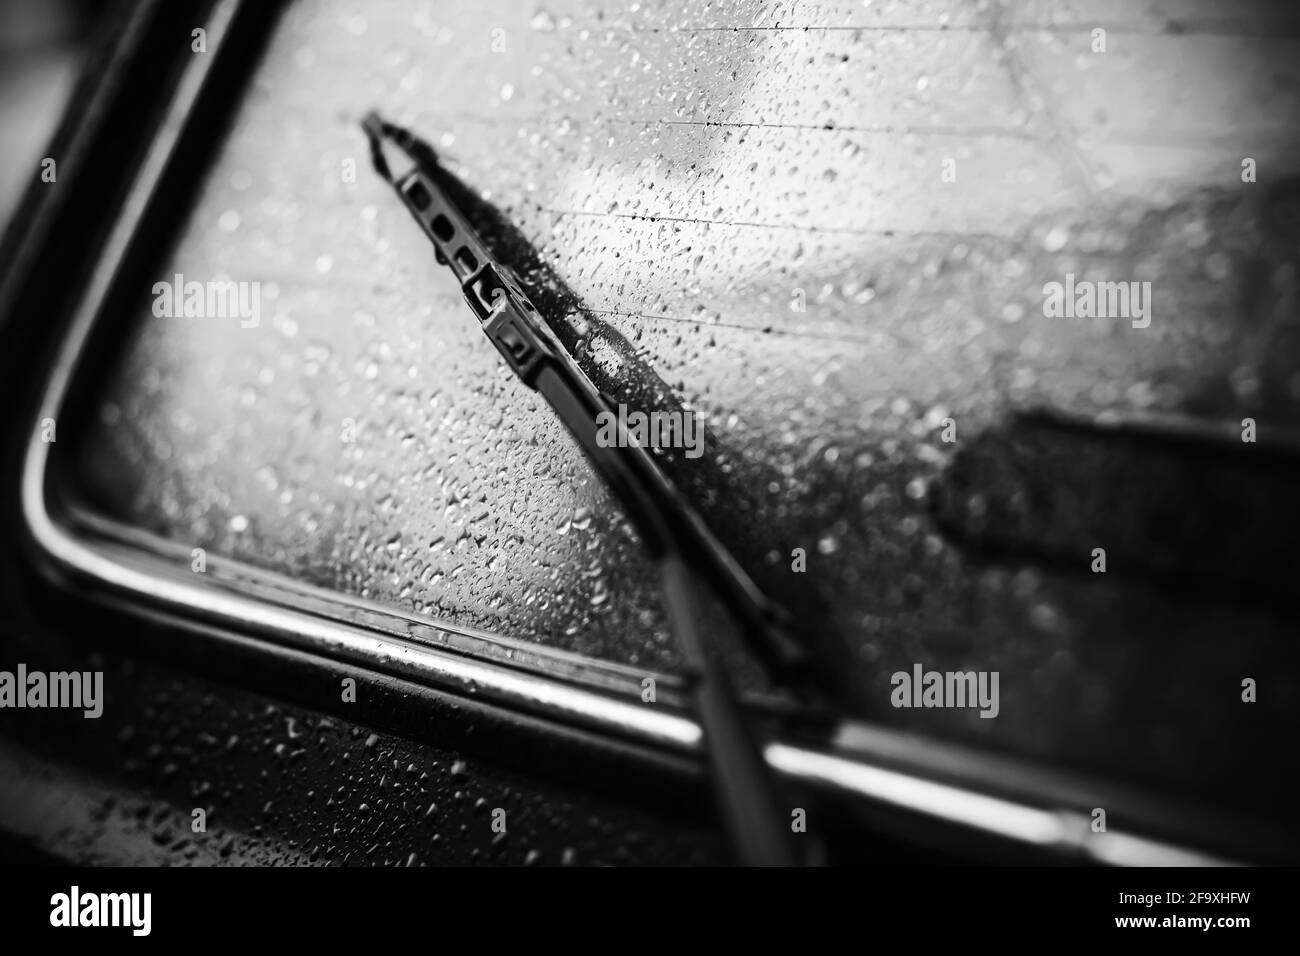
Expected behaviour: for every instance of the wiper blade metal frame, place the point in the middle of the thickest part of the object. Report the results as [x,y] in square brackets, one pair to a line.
[672,530]
[519,332]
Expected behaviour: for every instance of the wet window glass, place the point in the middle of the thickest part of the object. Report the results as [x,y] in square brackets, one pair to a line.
[832,229]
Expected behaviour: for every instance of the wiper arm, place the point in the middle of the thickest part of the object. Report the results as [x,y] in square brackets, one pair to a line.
[672,530]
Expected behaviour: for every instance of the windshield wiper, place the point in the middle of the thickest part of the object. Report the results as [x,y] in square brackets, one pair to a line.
[674,533]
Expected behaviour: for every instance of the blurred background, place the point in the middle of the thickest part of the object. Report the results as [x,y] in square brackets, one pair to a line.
[42,46]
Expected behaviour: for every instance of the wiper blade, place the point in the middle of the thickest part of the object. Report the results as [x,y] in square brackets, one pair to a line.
[672,530]
[522,336]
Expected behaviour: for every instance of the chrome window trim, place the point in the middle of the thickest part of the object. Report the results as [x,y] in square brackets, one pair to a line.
[1027,819]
